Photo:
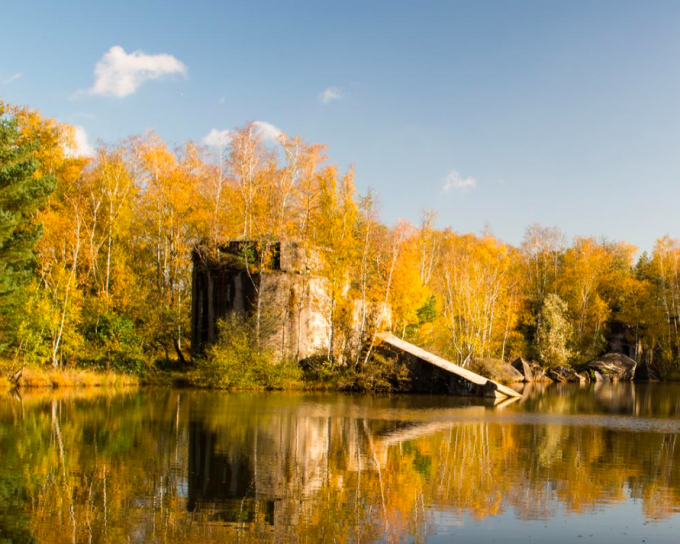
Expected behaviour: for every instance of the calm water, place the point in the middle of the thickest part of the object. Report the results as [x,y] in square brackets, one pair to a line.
[564,464]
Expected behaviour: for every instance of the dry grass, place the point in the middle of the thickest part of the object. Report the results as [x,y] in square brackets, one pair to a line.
[49,377]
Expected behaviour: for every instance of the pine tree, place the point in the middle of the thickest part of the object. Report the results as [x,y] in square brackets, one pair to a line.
[22,194]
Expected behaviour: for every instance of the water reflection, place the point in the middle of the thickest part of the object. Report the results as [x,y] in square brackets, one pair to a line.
[169,466]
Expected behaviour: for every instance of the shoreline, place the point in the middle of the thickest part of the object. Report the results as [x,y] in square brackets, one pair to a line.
[54,379]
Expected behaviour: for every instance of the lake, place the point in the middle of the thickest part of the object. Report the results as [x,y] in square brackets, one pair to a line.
[566,463]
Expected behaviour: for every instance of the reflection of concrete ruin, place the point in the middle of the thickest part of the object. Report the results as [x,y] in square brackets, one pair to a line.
[291,455]
[273,464]
[432,374]
[276,465]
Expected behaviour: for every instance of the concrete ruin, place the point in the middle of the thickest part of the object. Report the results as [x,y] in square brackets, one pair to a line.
[433,374]
[281,284]
[279,280]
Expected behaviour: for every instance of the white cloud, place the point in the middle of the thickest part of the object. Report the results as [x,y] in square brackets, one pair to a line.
[120,74]
[81,146]
[261,129]
[222,100]
[455,182]
[267,131]
[330,94]
[217,138]
[12,78]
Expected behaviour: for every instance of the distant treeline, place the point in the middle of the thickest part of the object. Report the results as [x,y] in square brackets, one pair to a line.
[95,257]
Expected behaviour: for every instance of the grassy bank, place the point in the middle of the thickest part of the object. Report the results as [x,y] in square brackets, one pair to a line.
[34,376]
[230,372]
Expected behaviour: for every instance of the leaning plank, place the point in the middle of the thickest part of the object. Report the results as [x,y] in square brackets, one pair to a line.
[492,388]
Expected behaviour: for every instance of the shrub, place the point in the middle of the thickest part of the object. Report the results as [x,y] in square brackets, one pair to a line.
[236,362]
[494,369]
[113,344]
[380,374]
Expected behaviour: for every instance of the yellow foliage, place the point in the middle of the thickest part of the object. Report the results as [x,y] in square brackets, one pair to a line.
[119,230]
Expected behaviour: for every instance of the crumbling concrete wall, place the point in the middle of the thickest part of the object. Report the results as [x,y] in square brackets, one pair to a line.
[290,296]
[293,314]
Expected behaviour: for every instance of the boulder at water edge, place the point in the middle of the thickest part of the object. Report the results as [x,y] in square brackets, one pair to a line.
[524,368]
[563,374]
[614,367]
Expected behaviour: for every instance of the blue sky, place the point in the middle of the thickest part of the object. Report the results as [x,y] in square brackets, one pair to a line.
[499,112]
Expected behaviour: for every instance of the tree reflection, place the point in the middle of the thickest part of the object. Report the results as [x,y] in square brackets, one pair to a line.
[172,466]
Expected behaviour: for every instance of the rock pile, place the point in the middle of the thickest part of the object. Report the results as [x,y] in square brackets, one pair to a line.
[611,367]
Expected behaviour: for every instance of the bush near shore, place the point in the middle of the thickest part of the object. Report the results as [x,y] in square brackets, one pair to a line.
[236,362]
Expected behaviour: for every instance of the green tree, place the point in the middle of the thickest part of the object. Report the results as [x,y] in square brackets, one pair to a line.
[23,191]
[554,332]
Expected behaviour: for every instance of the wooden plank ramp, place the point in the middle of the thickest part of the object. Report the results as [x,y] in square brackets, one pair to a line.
[490,387]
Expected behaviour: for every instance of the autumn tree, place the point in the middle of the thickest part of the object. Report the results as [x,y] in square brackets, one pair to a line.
[59,298]
[642,312]
[477,287]
[408,292]
[334,233]
[164,237]
[429,246]
[554,332]
[541,249]
[590,282]
[660,309]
